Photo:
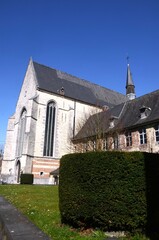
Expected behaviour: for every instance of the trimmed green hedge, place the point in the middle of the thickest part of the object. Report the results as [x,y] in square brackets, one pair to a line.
[26,178]
[109,190]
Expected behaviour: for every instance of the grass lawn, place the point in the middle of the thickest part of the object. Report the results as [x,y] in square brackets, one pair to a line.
[40,204]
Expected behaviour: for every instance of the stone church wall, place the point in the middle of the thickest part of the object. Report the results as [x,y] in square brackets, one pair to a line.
[69,115]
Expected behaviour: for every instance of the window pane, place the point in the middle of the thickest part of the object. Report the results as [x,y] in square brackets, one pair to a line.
[116,143]
[105,147]
[21,133]
[143,137]
[49,129]
[128,139]
[157,133]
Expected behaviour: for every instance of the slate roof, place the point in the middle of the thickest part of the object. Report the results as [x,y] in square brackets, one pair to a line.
[130,88]
[52,80]
[126,116]
[55,172]
[129,80]
[131,115]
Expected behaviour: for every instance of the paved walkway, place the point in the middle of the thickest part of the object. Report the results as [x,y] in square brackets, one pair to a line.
[15,226]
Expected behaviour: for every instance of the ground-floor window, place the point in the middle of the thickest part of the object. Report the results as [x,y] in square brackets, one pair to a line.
[157,133]
[105,144]
[94,145]
[85,147]
[116,142]
[143,136]
[128,139]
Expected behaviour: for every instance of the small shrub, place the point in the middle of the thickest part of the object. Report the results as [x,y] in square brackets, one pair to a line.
[26,178]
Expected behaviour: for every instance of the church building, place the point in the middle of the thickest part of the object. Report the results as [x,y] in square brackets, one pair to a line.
[57,113]
[51,108]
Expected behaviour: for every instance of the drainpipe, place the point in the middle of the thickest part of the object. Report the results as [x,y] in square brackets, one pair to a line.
[74,119]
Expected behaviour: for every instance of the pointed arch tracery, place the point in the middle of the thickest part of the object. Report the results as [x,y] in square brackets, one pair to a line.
[18,169]
[49,129]
[21,132]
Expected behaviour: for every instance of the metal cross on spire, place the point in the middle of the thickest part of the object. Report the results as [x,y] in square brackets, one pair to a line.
[127,58]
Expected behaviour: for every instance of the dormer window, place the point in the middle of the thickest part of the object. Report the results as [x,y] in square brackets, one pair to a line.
[112,121]
[105,108]
[144,112]
[62,92]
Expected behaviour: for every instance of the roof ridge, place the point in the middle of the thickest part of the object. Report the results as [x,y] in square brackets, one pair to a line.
[51,79]
[81,79]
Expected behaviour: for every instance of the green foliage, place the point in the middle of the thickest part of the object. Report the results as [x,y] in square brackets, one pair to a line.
[26,178]
[40,204]
[152,194]
[106,190]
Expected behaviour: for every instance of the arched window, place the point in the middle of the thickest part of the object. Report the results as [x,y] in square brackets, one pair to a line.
[18,167]
[21,133]
[49,129]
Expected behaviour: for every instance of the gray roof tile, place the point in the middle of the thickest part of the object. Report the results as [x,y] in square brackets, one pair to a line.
[127,116]
[53,80]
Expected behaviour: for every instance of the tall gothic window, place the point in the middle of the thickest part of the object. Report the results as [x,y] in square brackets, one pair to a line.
[21,133]
[49,129]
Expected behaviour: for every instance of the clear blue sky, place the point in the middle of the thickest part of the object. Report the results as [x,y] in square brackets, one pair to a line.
[87,38]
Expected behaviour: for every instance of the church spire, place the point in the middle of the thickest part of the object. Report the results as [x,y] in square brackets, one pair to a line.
[130,88]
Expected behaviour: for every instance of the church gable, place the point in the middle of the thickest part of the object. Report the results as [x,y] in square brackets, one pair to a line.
[28,91]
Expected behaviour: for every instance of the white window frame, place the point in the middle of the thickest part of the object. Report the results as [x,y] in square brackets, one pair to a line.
[116,142]
[85,147]
[157,133]
[143,136]
[105,144]
[128,136]
[94,143]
